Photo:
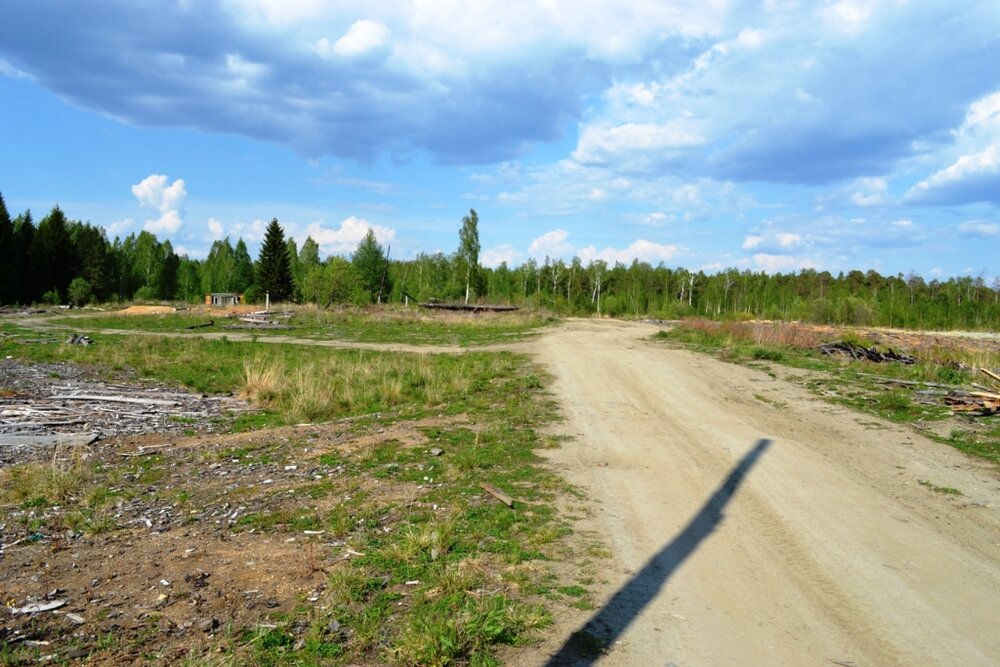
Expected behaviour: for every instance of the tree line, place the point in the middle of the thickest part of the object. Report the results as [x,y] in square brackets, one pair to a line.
[60,261]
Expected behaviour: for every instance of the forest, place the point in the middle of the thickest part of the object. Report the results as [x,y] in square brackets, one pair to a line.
[59,261]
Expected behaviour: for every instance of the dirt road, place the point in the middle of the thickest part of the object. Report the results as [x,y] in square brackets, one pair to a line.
[753,524]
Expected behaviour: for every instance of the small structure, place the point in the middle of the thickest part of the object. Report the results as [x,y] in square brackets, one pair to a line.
[223,299]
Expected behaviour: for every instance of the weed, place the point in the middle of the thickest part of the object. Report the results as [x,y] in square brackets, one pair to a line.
[939,489]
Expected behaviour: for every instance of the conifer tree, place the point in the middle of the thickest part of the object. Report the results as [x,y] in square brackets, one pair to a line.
[274,271]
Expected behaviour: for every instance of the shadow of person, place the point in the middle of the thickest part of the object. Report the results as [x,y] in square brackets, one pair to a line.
[607,625]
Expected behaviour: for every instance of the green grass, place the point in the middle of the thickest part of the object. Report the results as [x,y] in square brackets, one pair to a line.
[481,568]
[858,384]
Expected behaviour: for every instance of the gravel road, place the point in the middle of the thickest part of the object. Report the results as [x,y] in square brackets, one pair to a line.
[753,524]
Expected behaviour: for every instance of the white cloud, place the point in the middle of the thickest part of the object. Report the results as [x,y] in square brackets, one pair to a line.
[118,227]
[363,37]
[216,229]
[974,177]
[905,223]
[344,239]
[656,219]
[870,192]
[495,256]
[154,192]
[781,263]
[639,143]
[550,244]
[752,242]
[788,240]
[252,231]
[644,251]
[980,228]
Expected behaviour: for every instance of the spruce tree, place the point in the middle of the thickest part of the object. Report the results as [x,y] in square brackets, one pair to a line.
[274,271]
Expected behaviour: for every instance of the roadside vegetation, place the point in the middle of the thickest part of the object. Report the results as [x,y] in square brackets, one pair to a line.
[859,384]
[370,461]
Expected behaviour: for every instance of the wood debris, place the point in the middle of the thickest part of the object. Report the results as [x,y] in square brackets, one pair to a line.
[471,307]
[862,353]
[48,406]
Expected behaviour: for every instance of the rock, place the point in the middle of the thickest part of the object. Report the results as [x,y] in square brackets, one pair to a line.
[75,618]
[208,625]
[37,607]
[435,451]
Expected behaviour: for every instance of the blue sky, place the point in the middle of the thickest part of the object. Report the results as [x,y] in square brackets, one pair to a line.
[773,135]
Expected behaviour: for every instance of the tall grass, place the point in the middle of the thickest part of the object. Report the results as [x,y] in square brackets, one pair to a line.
[334,385]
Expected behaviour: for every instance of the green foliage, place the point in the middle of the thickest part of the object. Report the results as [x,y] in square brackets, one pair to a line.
[80,292]
[274,269]
[371,266]
[467,257]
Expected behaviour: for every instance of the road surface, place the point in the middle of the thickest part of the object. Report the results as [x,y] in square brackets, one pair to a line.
[753,524]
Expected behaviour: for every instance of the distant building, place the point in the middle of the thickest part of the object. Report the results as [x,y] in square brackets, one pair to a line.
[223,299]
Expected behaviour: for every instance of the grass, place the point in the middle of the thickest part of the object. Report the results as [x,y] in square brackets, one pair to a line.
[858,384]
[377,324]
[443,573]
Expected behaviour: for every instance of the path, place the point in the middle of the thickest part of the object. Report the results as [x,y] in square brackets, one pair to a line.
[753,524]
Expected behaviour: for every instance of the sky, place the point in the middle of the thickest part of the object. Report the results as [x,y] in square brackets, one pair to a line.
[771,136]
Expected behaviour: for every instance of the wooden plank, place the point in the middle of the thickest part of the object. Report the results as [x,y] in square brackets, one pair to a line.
[114,399]
[58,439]
[497,493]
[990,373]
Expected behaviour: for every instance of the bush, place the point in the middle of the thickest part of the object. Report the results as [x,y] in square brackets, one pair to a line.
[80,292]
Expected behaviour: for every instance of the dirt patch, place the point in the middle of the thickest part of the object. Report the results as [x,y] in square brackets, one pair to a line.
[195,538]
[145,310]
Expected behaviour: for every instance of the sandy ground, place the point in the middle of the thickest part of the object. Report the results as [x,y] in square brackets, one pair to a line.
[752,524]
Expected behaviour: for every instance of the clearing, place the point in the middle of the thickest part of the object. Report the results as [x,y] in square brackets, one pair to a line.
[743,519]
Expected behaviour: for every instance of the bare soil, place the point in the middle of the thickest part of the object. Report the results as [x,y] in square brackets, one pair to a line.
[751,523]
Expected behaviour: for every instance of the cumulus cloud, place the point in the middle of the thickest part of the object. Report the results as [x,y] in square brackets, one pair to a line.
[363,37]
[974,177]
[497,255]
[215,229]
[642,250]
[551,244]
[343,240]
[167,199]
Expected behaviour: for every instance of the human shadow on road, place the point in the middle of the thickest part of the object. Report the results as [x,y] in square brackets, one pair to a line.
[604,627]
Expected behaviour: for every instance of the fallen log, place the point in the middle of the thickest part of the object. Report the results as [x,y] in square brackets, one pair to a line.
[201,325]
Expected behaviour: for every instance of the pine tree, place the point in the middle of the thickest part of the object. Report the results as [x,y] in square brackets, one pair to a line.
[274,271]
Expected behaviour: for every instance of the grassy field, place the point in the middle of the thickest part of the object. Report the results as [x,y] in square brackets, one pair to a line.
[388,324]
[860,384]
[439,572]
